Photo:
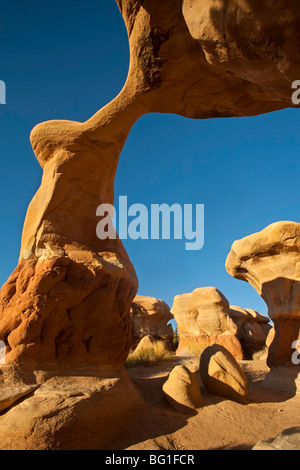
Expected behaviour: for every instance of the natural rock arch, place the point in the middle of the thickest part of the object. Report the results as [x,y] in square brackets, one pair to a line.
[68,300]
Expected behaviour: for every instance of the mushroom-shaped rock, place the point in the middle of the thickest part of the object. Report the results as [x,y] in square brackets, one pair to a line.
[270,261]
[203,318]
[150,316]
[182,390]
[222,375]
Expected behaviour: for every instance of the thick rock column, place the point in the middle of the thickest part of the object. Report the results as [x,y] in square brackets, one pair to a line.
[68,300]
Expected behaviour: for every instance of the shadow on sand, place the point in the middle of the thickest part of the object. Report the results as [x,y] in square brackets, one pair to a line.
[158,422]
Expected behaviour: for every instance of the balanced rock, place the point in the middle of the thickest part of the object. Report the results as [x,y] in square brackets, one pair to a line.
[203,318]
[269,260]
[182,390]
[150,316]
[222,375]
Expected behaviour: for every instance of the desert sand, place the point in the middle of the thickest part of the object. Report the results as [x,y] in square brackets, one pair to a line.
[221,424]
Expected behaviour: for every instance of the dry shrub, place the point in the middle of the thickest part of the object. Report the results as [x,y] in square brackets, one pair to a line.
[149,356]
[260,355]
[194,348]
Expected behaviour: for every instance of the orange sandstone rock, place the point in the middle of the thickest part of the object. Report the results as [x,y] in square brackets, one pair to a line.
[203,319]
[150,316]
[269,261]
[67,303]
[196,58]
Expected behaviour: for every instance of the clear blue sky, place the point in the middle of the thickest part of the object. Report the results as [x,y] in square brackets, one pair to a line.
[65,60]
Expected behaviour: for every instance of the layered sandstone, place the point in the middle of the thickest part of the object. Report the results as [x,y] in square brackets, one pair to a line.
[213,58]
[81,409]
[203,318]
[252,329]
[182,390]
[222,374]
[269,260]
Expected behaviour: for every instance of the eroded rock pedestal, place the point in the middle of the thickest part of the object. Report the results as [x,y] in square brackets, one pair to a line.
[65,309]
[270,261]
[203,319]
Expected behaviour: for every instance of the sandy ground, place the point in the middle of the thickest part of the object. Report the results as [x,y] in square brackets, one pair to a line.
[220,424]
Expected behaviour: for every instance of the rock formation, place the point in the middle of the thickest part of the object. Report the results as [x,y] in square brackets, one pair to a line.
[204,59]
[289,439]
[182,390]
[66,306]
[200,61]
[146,342]
[252,329]
[269,261]
[150,316]
[81,411]
[205,317]
[222,375]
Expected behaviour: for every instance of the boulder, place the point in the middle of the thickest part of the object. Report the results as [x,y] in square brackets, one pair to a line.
[203,318]
[222,375]
[289,439]
[269,261]
[182,390]
[150,316]
[145,343]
